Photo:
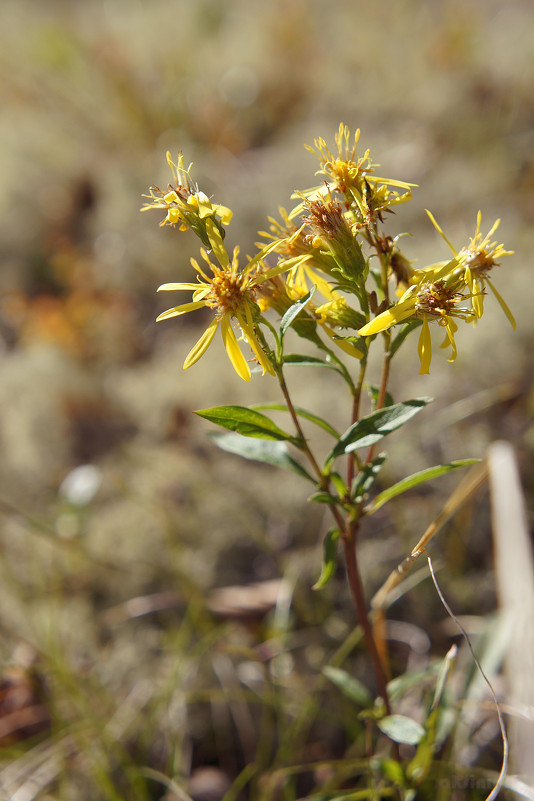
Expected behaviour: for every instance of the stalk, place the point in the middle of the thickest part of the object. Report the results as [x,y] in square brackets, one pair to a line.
[348,529]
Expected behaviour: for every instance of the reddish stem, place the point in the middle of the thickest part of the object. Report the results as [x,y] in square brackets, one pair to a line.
[356,588]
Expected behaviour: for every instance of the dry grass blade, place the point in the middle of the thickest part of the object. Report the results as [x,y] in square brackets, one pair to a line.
[505,748]
[514,569]
[27,777]
[463,492]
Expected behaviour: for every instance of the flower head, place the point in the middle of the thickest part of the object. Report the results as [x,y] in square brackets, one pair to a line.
[438,300]
[230,293]
[186,205]
[352,176]
[475,262]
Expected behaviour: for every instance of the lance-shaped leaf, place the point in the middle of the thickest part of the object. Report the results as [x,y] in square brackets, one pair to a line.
[329,559]
[365,479]
[294,311]
[349,686]
[260,450]
[313,418]
[417,478]
[371,429]
[245,421]
[324,497]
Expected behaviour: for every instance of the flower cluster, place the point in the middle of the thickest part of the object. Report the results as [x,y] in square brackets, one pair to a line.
[329,241]
[446,291]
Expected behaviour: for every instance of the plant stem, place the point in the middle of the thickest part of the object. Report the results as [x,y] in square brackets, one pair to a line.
[355,415]
[355,583]
[296,422]
[348,531]
[380,401]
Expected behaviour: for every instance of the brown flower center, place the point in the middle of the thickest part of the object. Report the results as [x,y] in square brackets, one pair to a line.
[437,299]
[227,294]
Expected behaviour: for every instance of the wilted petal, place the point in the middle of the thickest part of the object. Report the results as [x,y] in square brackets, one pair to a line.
[502,304]
[425,347]
[451,329]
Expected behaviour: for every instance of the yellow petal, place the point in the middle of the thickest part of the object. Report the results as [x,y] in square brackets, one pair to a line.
[438,229]
[171,197]
[264,252]
[503,304]
[323,286]
[183,309]
[202,203]
[347,347]
[477,294]
[173,216]
[389,182]
[224,213]
[493,227]
[433,272]
[168,287]
[396,314]
[201,345]
[283,266]
[425,347]
[251,338]
[450,329]
[233,350]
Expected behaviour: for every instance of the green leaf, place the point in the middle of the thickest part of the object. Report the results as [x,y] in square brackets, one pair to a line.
[418,768]
[402,684]
[365,479]
[245,421]
[323,497]
[266,451]
[349,686]
[373,394]
[405,331]
[313,418]
[294,311]
[392,771]
[311,361]
[341,488]
[371,429]
[401,729]
[415,479]
[329,559]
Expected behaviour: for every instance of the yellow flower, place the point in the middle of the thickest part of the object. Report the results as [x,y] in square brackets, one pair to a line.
[475,261]
[353,177]
[230,293]
[290,240]
[338,313]
[427,300]
[344,167]
[186,205]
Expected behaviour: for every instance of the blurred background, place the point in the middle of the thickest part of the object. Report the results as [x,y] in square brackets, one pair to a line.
[129,657]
